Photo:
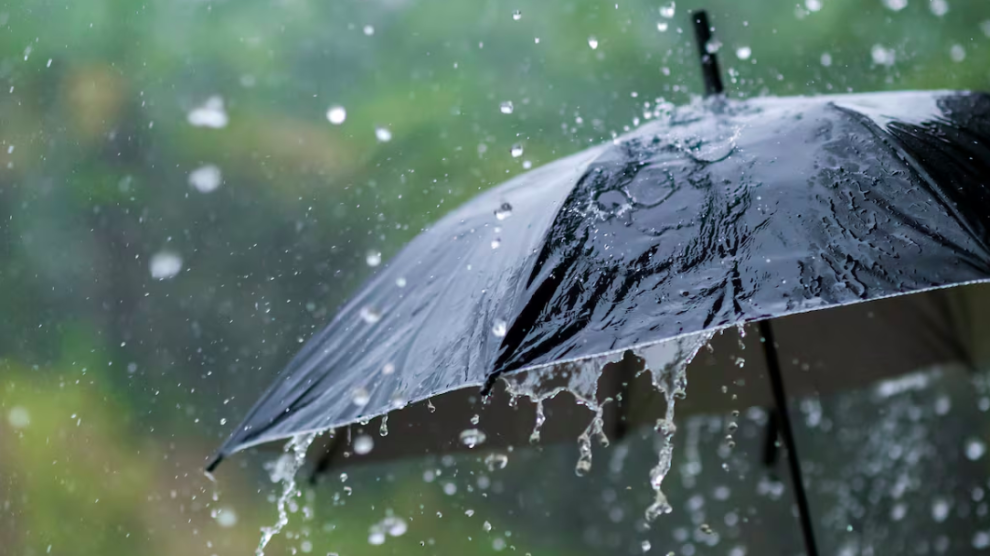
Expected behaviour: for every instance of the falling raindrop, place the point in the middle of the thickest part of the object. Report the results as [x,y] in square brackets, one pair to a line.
[895,5]
[940,509]
[506,107]
[938,7]
[226,517]
[370,315]
[369,30]
[516,15]
[813,5]
[360,397]
[376,537]
[957,53]
[826,59]
[975,448]
[500,328]
[450,489]
[209,114]
[646,546]
[283,471]
[593,42]
[496,461]
[336,114]
[496,243]
[475,419]
[527,164]
[472,437]
[205,179]
[486,526]
[383,429]
[383,134]
[388,369]
[363,444]
[744,52]
[400,281]
[516,151]
[669,10]
[165,265]
[662,26]
[373,258]
[18,417]
[883,56]
[713,46]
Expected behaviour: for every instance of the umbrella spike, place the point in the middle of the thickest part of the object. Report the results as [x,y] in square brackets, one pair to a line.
[709,60]
[787,433]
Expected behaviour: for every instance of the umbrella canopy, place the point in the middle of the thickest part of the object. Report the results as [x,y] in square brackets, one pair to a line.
[711,215]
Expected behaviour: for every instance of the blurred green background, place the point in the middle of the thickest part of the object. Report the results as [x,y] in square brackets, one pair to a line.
[115,385]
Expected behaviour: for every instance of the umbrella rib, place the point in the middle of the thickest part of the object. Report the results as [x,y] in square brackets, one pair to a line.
[787,431]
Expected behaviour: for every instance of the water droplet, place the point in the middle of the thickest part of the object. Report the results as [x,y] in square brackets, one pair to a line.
[500,328]
[938,7]
[516,151]
[940,509]
[646,546]
[370,315]
[669,10]
[496,461]
[373,258]
[975,448]
[527,164]
[469,512]
[516,15]
[18,417]
[957,53]
[363,444]
[368,30]
[205,179]
[706,529]
[472,437]
[400,281]
[662,26]
[396,526]
[430,406]
[826,59]
[450,489]
[226,517]
[165,265]
[744,52]
[593,42]
[503,211]
[895,5]
[506,107]
[475,419]
[209,114]
[813,5]
[981,540]
[713,46]
[496,243]
[388,369]
[223,421]
[486,526]
[336,114]
[383,429]
[376,538]
[360,397]
[985,27]
[883,56]
[383,134]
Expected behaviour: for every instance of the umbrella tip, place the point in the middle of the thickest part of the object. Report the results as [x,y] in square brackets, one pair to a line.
[709,61]
[214,462]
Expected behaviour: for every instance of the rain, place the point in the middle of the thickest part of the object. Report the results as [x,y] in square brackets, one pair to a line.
[666,278]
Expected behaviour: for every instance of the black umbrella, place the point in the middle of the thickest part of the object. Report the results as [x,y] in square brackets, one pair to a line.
[712,215]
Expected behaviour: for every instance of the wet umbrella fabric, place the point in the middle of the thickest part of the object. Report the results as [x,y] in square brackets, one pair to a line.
[714,214]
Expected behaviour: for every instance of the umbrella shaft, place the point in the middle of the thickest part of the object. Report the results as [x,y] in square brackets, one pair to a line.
[787,432]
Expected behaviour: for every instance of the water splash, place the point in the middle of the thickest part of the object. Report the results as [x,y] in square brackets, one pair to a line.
[283,470]
[666,362]
[580,378]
